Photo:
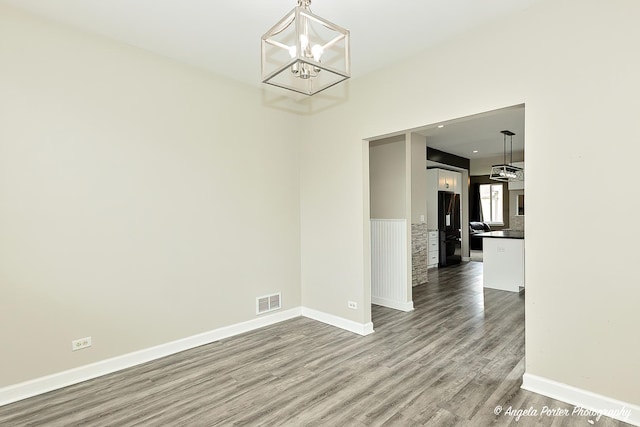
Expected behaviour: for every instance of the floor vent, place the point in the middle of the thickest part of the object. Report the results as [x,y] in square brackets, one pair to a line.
[268,303]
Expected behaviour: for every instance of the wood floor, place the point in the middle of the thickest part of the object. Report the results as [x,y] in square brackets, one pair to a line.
[448,363]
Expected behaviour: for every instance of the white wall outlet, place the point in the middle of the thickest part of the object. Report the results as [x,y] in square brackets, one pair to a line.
[352,305]
[421,218]
[80,344]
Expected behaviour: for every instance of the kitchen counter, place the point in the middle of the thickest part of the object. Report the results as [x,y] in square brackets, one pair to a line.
[502,234]
[503,257]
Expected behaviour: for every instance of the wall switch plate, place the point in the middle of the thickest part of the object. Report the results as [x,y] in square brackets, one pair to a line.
[421,218]
[80,344]
[352,305]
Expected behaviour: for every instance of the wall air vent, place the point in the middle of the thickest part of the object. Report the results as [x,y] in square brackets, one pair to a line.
[268,303]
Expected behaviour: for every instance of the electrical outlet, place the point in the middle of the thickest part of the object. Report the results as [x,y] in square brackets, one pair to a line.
[352,305]
[81,343]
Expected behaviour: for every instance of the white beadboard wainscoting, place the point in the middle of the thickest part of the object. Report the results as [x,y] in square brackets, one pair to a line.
[389,252]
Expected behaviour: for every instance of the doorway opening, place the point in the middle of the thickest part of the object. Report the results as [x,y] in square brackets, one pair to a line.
[414,233]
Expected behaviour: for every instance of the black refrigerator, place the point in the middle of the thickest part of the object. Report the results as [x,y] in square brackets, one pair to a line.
[449,228]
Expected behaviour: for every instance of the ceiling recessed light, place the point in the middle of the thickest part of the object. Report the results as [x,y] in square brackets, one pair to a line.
[475,151]
[440,126]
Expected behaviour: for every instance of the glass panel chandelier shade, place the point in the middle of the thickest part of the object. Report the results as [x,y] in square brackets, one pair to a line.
[506,172]
[305,53]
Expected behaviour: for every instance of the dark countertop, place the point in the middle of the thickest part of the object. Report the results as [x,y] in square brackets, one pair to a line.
[503,234]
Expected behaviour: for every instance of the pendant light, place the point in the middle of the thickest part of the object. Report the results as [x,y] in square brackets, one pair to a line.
[506,171]
[305,53]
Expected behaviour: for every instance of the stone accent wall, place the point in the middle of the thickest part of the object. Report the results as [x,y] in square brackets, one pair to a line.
[516,223]
[419,253]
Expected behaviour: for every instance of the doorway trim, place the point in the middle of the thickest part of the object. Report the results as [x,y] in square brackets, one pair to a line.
[365,145]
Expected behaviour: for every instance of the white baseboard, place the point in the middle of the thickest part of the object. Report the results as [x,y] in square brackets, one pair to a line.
[24,390]
[20,391]
[397,305]
[339,322]
[627,412]
[466,258]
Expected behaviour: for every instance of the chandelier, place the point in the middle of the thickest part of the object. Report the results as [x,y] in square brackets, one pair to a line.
[305,53]
[506,171]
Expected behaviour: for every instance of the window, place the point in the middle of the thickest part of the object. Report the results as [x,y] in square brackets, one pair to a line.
[491,202]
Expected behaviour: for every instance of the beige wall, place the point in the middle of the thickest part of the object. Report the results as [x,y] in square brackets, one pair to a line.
[572,63]
[418,177]
[137,205]
[387,172]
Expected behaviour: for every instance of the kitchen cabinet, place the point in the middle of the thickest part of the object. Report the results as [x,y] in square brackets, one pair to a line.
[433,251]
[448,180]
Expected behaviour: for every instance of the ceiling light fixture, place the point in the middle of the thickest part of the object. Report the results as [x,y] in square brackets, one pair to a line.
[506,171]
[305,53]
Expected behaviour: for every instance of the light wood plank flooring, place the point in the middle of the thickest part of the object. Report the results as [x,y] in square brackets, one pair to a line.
[448,363]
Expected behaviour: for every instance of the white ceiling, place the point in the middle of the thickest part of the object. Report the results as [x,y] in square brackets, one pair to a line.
[223,36]
[480,133]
